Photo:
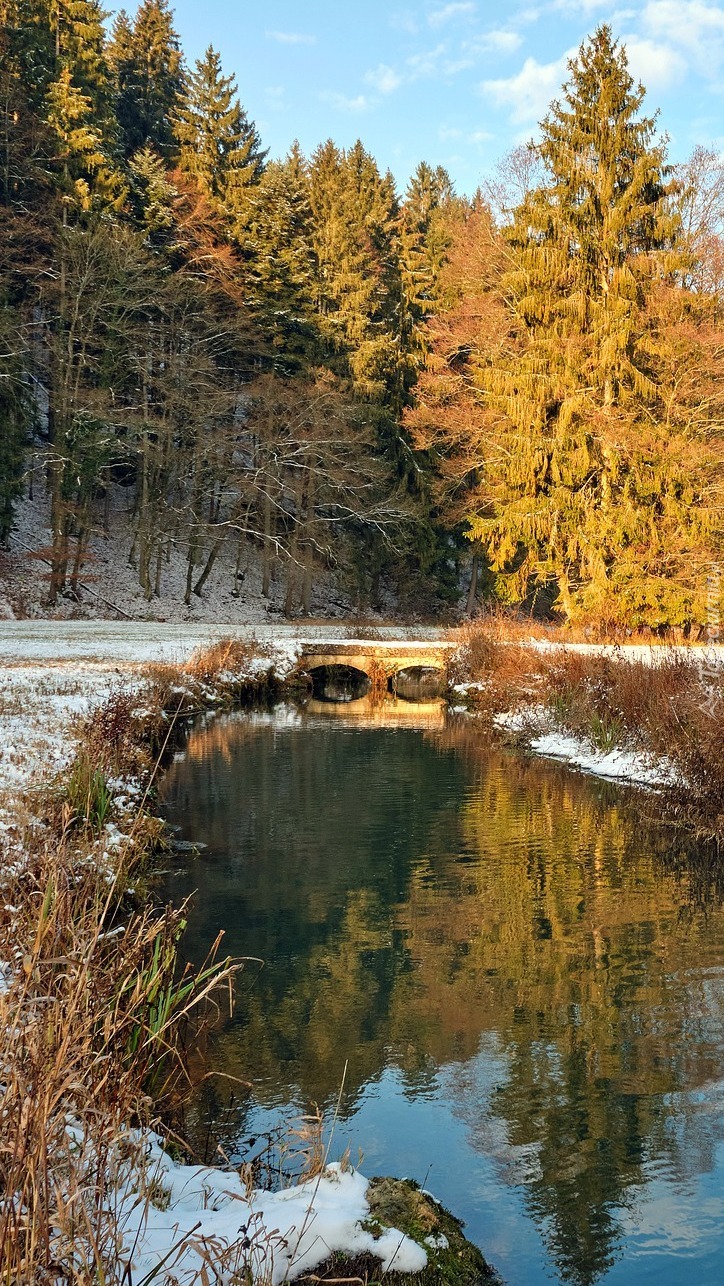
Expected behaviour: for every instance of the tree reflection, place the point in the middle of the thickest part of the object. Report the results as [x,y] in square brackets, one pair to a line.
[416,897]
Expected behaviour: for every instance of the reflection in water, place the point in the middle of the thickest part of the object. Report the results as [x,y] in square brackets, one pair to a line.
[370,711]
[419,683]
[516,977]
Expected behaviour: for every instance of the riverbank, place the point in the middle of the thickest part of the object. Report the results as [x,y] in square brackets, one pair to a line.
[649,716]
[92,1010]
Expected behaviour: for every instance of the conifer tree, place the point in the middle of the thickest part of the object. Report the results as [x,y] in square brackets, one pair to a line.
[28,46]
[424,241]
[355,238]
[80,39]
[364,318]
[145,58]
[276,237]
[219,146]
[79,109]
[26,61]
[80,153]
[151,196]
[598,488]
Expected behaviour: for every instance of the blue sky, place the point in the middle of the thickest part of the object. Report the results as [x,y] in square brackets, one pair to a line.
[452,82]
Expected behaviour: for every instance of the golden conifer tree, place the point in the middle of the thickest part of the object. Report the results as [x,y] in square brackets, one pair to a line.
[602,476]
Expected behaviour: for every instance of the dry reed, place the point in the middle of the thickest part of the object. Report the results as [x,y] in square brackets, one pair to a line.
[667,706]
[93,1011]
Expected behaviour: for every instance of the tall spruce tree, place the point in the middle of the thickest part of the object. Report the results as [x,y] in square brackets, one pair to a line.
[275,234]
[80,46]
[219,146]
[358,288]
[79,109]
[145,58]
[599,488]
[424,242]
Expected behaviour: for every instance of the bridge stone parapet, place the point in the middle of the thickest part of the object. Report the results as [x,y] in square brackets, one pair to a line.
[380,660]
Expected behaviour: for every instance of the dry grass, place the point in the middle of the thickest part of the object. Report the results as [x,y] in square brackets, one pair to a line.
[672,708]
[92,1019]
[506,672]
[89,1043]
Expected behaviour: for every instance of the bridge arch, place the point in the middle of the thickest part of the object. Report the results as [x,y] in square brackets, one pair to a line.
[338,681]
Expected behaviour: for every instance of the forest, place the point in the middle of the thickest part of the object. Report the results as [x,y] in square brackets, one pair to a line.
[425,399]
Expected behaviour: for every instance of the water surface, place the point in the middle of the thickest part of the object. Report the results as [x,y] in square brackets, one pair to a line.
[506,971]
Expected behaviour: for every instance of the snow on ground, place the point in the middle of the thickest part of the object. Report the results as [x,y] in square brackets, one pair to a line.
[706,654]
[281,1234]
[618,763]
[232,594]
[132,642]
[111,580]
[622,765]
[39,707]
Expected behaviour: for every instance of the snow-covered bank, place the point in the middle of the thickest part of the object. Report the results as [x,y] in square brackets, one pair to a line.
[198,1213]
[619,764]
[39,708]
[705,654]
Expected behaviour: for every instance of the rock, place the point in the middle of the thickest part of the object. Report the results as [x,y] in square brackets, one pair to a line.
[452,1260]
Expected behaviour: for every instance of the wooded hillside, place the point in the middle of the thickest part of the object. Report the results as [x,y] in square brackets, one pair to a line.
[378,389]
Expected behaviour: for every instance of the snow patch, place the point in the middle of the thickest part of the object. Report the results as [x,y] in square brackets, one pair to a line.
[204,1211]
[621,765]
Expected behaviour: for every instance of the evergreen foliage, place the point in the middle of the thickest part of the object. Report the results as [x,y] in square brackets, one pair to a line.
[276,237]
[291,357]
[146,63]
[218,144]
[15,417]
[600,489]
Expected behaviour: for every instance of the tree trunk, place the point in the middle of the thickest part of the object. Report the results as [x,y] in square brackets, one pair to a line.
[268,543]
[216,550]
[473,588]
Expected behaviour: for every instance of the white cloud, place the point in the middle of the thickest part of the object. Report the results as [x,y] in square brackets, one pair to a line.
[690,27]
[384,79]
[291,37]
[438,62]
[581,6]
[274,95]
[404,20]
[529,92]
[656,66]
[498,42]
[528,15]
[447,132]
[427,63]
[439,17]
[344,104]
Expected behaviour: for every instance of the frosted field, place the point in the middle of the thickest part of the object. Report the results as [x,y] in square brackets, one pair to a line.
[129,643]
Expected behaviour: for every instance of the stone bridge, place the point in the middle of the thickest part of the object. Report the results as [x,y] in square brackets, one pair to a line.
[380,660]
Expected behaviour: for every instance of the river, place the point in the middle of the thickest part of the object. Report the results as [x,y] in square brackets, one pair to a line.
[498,971]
